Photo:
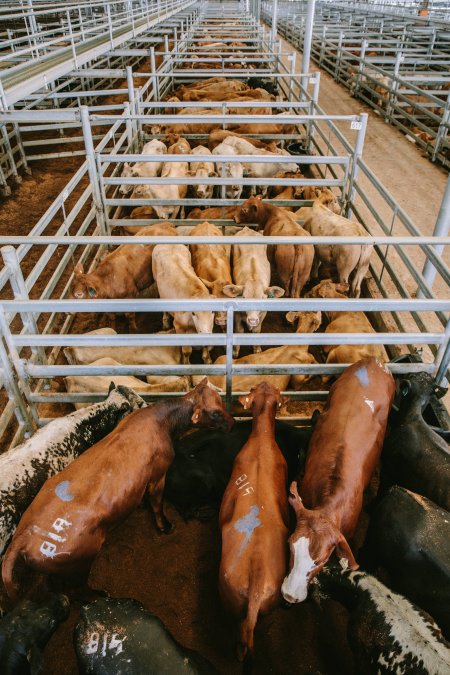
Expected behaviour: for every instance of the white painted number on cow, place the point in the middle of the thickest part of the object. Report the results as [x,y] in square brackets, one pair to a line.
[242,483]
[47,547]
[355,125]
[115,643]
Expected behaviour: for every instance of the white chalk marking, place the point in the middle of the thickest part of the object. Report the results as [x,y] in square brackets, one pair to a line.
[371,404]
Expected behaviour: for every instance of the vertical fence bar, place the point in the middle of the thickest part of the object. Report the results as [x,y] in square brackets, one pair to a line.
[92,169]
[229,359]
[357,154]
[440,230]
[20,291]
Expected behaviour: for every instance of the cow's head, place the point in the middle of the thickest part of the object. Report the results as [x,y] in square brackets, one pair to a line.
[203,321]
[126,173]
[311,545]
[208,409]
[261,395]
[328,289]
[307,322]
[83,285]
[216,289]
[234,170]
[203,191]
[254,290]
[250,211]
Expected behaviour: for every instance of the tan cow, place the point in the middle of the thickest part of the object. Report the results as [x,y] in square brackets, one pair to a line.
[219,135]
[287,355]
[345,322]
[293,261]
[251,273]
[323,195]
[124,273]
[176,279]
[80,384]
[203,168]
[211,263]
[156,355]
[166,192]
[347,258]
[139,212]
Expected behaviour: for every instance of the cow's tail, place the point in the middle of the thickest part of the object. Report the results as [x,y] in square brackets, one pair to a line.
[246,632]
[361,269]
[9,562]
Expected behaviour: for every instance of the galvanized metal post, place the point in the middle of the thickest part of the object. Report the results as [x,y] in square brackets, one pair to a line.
[440,230]
[20,291]
[92,169]
[13,390]
[361,126]
[443,357]
[308,36]
[154,75]
[131,97]
[229,359]
[273,29]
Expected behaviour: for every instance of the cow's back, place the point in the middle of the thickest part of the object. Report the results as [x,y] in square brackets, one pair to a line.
[348,436]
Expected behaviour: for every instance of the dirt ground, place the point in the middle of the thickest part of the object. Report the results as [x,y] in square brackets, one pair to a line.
[175,576]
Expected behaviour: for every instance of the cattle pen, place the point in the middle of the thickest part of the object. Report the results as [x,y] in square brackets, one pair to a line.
[86,86]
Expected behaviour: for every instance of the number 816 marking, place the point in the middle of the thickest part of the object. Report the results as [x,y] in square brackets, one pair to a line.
[115,643]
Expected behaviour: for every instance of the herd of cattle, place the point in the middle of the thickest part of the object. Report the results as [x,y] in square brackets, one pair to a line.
[64,490]
[205,271]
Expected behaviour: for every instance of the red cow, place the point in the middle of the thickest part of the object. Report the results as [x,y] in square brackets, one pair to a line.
[254,520]
[343,453]
[65,526]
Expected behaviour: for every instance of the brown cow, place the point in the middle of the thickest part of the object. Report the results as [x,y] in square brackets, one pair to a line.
[124,273]
[213,213]
[65,526]
[293,261]
[343,453]
[254,521]
[139,212]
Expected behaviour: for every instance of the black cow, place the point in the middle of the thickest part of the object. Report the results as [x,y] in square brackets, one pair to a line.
[25,631]
[203,462]
[119,636]
[266,83]
[386,632]
[414,456]
[409,537]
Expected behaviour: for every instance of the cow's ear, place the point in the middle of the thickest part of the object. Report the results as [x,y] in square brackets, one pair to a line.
[233,290]
[291,317]
[126,165]
[344,553]
[259,197]
[274,292]
[196,416]
[294,499]
[78,269]
[246,401]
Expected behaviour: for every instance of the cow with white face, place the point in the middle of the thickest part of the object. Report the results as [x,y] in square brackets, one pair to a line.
[202,169]
[343,453]
[144,169]
[251,273]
